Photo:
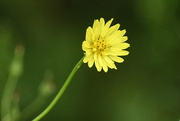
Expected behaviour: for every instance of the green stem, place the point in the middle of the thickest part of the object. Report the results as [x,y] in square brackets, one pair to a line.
[61,91]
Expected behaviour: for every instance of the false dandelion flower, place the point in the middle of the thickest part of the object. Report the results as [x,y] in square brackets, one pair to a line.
[104,44]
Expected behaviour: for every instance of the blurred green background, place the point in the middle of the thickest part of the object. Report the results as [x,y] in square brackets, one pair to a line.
[146,87]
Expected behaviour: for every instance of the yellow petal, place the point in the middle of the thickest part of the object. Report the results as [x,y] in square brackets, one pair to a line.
[124,45]
[113,36]
[100,60]
[97,33]
[112,30]
[110,52]
[97,64]
[86,46]
[116,38]
[90,63]
[124,38]
[108,23]
[123,53]
[89,34]
[102,63]
[123,32]
[109,62]
[102,22]
[105,68]
[93,37]
[105,28]
[117,59]
[120,46]
[103,32]
[88,52]
[87,58]
[96,24]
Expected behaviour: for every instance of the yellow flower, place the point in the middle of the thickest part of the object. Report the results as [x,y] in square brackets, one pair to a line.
[103,45]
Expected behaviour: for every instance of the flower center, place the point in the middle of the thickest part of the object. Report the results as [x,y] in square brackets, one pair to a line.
[99,46]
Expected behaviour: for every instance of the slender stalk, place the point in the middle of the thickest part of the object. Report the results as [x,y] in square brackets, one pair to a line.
[61,91]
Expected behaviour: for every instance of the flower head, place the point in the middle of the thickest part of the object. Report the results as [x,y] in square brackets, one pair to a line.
[104,44]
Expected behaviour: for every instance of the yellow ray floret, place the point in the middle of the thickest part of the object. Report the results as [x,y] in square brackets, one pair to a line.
[104,44]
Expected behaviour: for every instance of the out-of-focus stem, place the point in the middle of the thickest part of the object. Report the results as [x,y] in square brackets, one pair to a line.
[15,72]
